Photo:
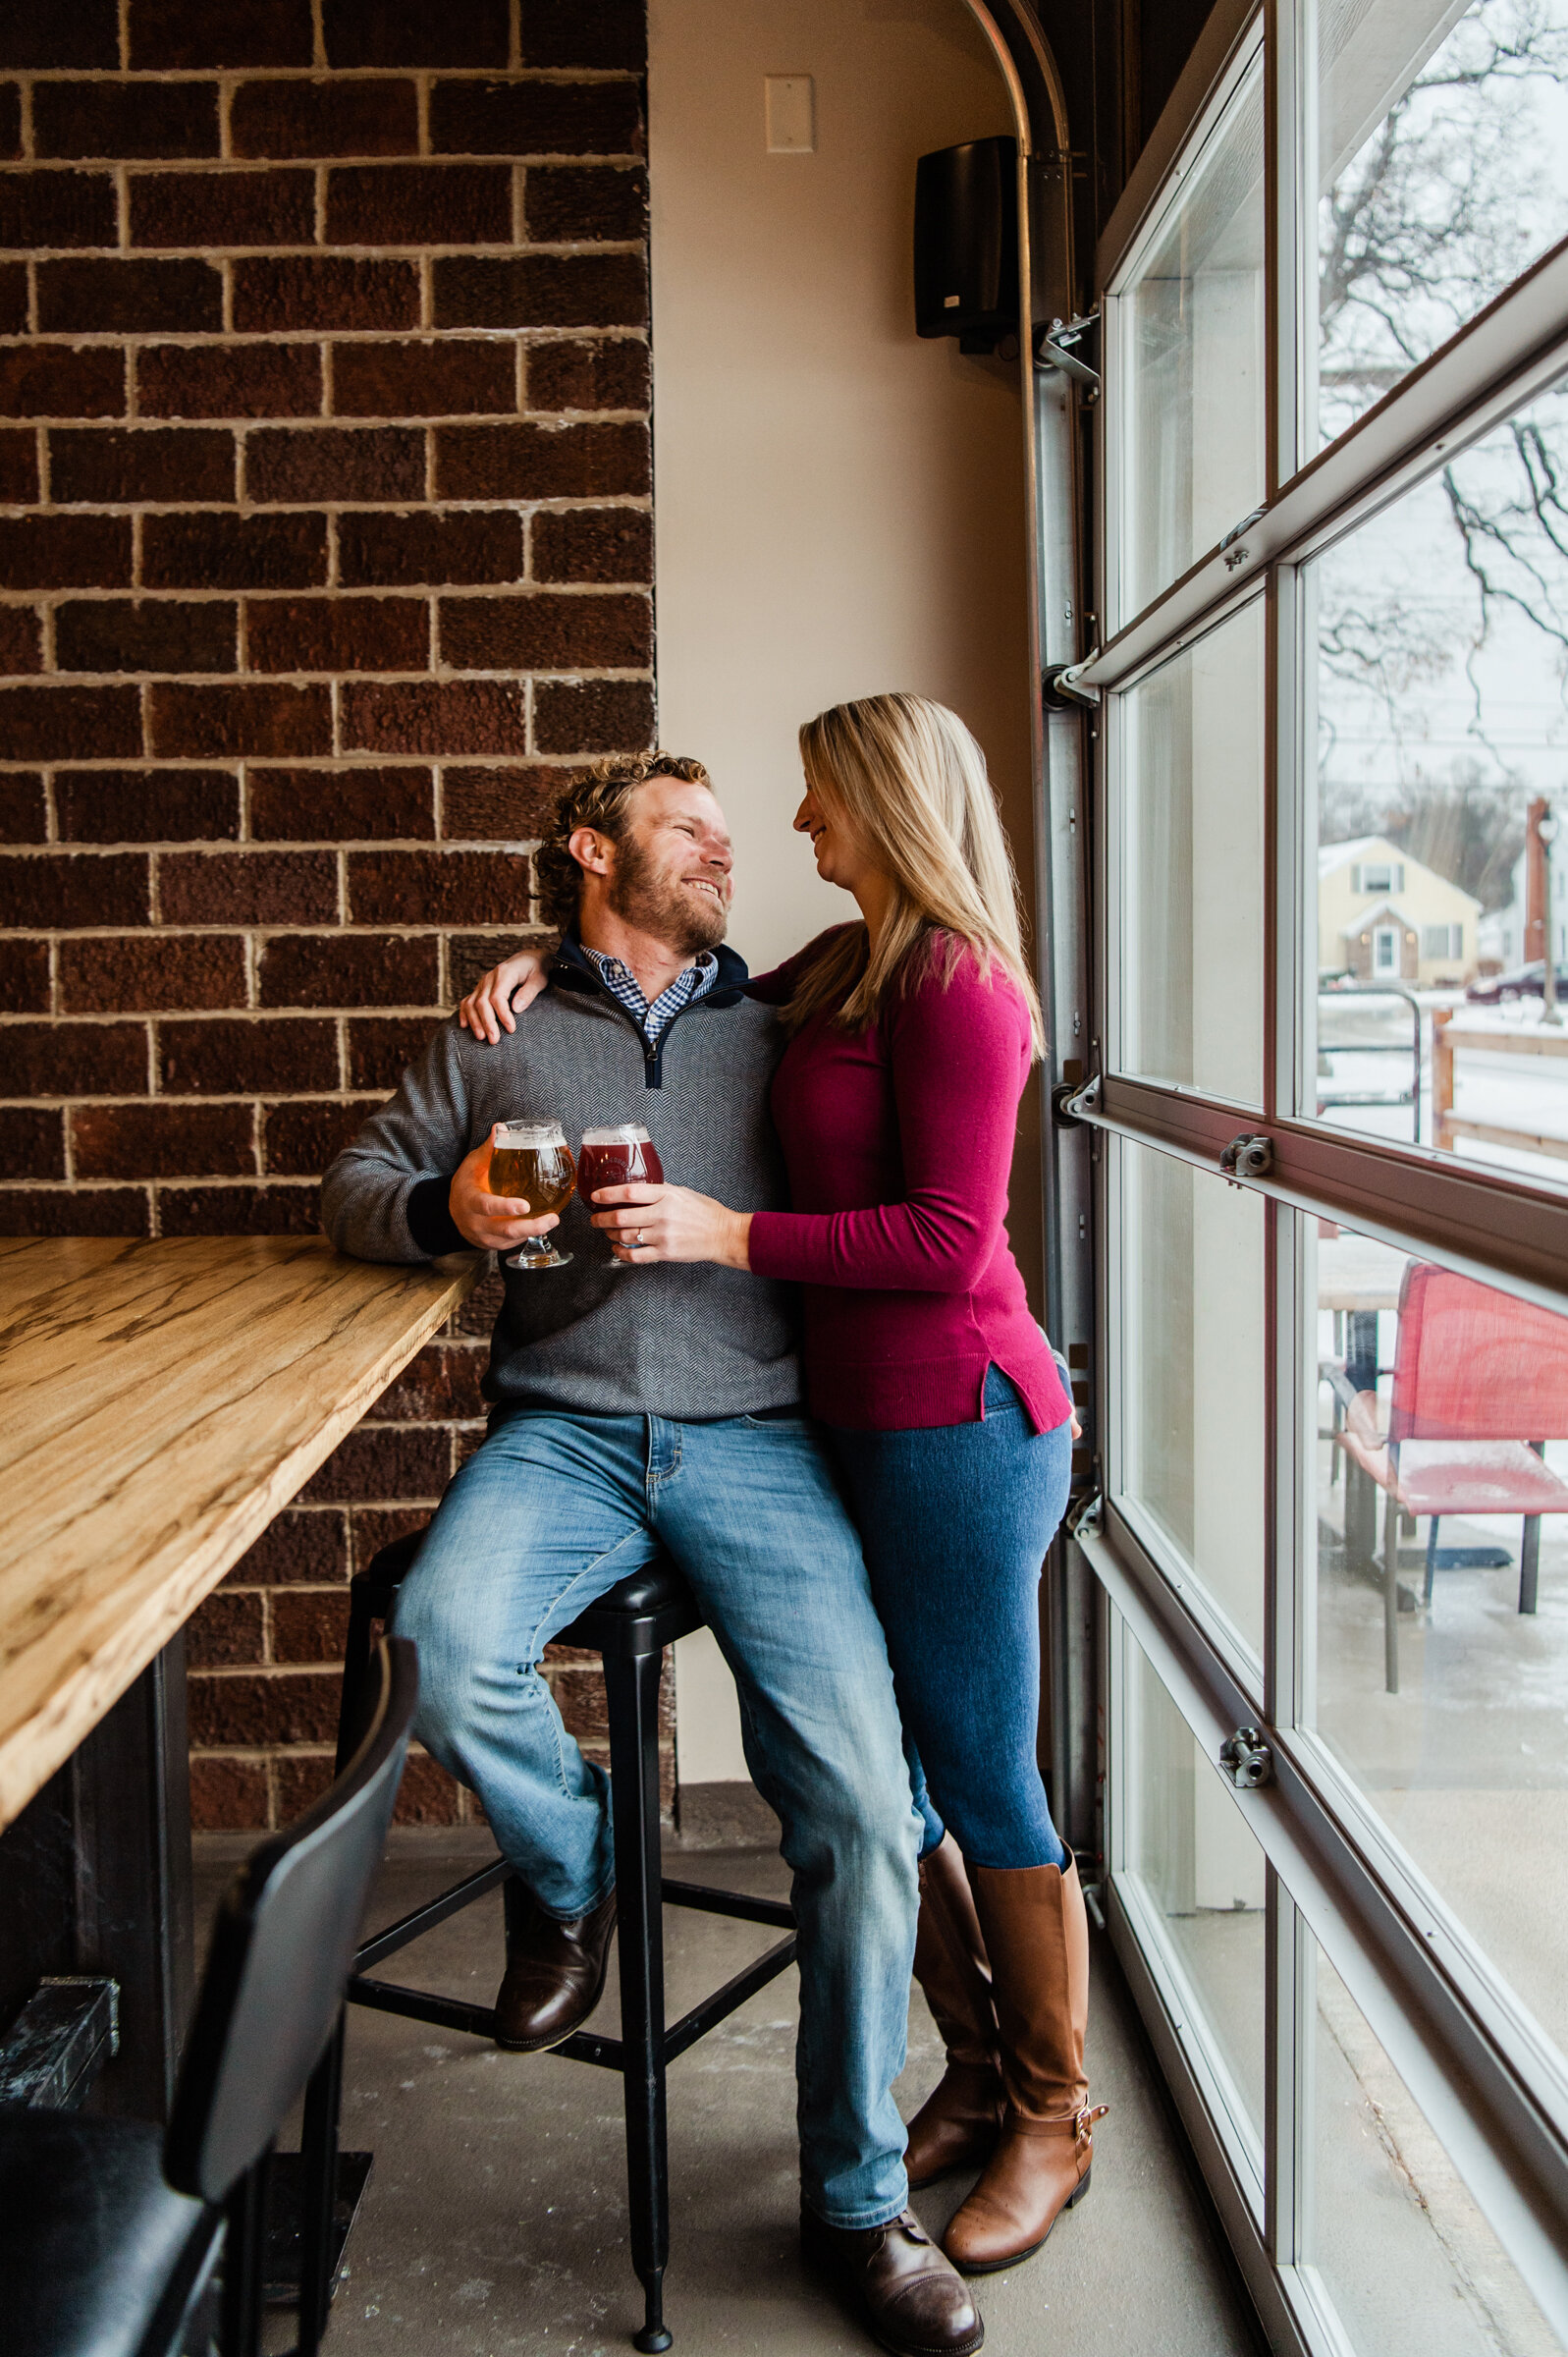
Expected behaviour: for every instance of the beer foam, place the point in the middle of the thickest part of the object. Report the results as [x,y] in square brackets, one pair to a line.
[529,1133]
[630,1133]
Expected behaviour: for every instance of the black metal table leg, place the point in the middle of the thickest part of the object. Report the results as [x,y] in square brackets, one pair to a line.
[319,2192]
[632,1688]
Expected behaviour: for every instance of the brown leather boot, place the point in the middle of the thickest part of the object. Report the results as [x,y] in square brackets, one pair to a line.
[957,2125]
[1037,1937]
[910,2297]
[554,1976]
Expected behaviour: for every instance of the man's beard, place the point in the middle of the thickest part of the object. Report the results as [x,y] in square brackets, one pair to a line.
[684,921]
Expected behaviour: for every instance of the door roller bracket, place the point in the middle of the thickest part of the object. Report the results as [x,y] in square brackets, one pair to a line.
[1247,1759]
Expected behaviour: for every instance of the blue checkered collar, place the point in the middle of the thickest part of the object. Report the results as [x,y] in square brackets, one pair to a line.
[624,987]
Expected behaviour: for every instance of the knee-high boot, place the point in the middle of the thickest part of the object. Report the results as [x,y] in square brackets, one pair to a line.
[957,2125]
[1036,1938]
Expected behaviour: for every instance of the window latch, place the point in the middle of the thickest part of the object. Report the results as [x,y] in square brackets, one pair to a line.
[1247,1759]
[1247,1157]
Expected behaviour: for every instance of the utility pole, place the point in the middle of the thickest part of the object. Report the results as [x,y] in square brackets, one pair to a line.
[1547,829]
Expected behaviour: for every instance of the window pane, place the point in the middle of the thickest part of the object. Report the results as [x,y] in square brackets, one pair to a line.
[1202,1874]
[1193,314]
[1192,801]
[1404,2254]
[1439,632]
[1442,171]
[1192,1376]
[1442,1647]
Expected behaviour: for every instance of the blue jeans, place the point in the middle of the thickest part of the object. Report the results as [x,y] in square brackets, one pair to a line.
[956,1520]
[545,1516]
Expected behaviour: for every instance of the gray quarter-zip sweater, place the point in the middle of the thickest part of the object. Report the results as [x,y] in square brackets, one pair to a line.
[684,1341]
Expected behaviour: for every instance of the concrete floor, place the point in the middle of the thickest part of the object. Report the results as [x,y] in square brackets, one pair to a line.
[494,2220]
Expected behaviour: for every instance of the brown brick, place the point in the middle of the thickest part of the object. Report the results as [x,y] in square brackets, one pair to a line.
[382,1047]
[348,633]
[72,889]
[179,34]
[146,634]
[75,1211]
[568,204]
[610,373]
[244,380]
[533,290]
[540,462]
[442,377]
[581,1698]
[321,289]
[163,1141]
[310,1625]
[437,1386]
[57,209]
[234,1708]
[308,1547]
[439,888]
[169,120]
[281,1055]
[324,118]
[223,208]
[65,552]
[431,716]
[136,297]
[147,806]
[409,33]
[419,205]
[240,1211]
[351,805]
[478,1314]
[20,640]
[388,462]
[300,1140]
[397,552]
[535,118]
[22,810]
[152,973]
[247,887]
[233,552]
[593,544]
[76,1060]
[227,1797]
[100,463]
[300,1777]
[427,1794]
[84,34]
[10,119]
[545,633]
[602,716]
[69,724]
[604,33]
[201,723]
[225,1632]
[348,970]
[375,1527]
[32,1143]
[62,381]
[498,805]
[24,982]
[384,1461]
[14,320]
[19,465]
[470,955]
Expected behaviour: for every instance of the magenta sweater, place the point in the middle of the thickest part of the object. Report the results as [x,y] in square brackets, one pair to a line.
[898,1144]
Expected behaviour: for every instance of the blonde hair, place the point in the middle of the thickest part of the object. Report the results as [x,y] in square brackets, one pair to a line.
[911,781]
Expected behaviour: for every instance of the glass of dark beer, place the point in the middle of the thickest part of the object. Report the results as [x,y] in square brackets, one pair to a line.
[532,1160]
[617,1157]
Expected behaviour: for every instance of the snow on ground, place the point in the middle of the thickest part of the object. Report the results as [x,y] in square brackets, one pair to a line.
[1507,1090]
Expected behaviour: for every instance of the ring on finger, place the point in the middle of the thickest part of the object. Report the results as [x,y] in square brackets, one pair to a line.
[639,1239]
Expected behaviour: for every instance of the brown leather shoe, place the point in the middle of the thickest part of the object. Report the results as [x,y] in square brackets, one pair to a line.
[957,2125]
[555,1974]
[1037,1937]
[913,2302]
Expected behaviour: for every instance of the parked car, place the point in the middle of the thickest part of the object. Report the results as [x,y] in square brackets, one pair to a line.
[1521,982]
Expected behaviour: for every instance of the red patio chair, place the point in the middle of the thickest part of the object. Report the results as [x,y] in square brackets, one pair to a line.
[1479,1385]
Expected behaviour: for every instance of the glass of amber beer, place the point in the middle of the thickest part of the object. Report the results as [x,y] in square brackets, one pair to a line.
[532,1160]
[617,1157]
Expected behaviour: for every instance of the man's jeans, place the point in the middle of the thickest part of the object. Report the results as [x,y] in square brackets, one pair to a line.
[541,1521]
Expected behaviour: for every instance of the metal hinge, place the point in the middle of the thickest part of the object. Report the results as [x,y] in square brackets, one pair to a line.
[1247,1157]
[1247,1759]
[1069,1105]
[1073,347]
[1084,1514]
[1063,685]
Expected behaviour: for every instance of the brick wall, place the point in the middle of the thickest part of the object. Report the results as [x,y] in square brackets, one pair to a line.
[325,547]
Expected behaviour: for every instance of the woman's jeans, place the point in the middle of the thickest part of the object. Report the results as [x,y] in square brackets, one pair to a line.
[956,1520]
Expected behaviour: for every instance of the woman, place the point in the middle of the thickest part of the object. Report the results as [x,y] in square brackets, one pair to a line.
[911,1037]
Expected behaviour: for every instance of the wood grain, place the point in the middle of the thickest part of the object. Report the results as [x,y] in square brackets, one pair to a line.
[159,1403]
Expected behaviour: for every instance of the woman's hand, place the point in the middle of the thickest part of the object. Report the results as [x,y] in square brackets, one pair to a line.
[487,1010]
[646,1223]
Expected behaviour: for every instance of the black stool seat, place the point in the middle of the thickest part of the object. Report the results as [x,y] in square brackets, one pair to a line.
[99,2254]
[650,1607]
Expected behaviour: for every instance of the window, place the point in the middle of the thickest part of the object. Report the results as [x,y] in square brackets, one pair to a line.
[1369,876]
[1442,941]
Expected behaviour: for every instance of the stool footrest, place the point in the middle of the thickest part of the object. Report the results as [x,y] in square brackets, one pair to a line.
[425,1919]
[739,1903]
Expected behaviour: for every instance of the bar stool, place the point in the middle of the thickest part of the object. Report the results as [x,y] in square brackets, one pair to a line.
[630,1629]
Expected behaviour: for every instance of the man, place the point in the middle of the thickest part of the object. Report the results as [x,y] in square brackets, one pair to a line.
[634,1408]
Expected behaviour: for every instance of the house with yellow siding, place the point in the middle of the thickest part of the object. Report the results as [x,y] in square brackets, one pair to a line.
[1383,915]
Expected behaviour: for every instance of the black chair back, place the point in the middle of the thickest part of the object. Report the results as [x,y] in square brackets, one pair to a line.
[282,1948]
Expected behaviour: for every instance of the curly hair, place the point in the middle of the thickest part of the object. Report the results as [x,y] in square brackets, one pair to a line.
[600,797]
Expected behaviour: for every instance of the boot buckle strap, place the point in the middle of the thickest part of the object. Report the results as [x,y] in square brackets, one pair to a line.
[1084,2121]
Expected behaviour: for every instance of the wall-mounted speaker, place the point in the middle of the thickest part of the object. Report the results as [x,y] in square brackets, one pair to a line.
[966,243]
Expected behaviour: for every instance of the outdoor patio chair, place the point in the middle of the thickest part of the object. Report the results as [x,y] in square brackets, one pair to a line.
[1479,1385]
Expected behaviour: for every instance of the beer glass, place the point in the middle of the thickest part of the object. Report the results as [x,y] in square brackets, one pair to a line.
[532,1160]
[616,1157]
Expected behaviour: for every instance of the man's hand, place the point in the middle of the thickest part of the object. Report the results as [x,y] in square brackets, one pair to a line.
[495,1222]
[672,1223]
